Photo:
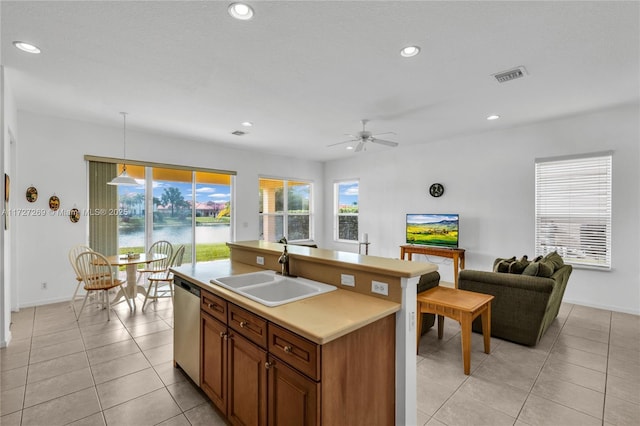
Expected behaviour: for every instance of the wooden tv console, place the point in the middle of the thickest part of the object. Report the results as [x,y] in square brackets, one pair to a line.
[457,254]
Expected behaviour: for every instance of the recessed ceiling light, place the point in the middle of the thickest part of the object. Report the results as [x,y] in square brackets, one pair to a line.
[247,123]
[241,11]
[493,117]
[349,147]
[410,51]
[26,47]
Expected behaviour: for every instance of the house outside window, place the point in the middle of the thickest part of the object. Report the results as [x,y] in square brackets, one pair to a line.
[573,209]
[285,210]
[346,210]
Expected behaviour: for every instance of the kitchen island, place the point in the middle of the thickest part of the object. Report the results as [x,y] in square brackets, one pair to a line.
[344,355]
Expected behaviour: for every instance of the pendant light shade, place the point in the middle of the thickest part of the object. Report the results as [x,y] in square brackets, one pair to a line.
[124,179]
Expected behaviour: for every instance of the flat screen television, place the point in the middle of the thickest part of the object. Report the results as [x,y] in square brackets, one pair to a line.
[430,229]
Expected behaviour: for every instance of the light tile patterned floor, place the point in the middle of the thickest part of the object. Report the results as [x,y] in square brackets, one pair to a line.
[586,370]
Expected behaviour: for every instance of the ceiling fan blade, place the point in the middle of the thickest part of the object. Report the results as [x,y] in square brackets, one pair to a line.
[340,143]
[359,147]
[383,142]
[385,133]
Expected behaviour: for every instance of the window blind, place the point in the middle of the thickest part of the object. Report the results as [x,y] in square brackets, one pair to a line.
[103,227]
[573,209]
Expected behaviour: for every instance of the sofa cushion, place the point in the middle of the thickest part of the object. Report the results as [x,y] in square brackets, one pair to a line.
[502,265]
[518,266]
[555,259]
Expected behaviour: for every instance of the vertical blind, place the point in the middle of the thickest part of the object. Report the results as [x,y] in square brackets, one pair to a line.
[573,209]
[103,200]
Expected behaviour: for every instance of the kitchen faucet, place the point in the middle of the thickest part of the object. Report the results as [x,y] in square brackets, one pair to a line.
[284,261]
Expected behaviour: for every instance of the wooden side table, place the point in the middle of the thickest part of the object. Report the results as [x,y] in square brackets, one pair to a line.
[457,254]
[461,305]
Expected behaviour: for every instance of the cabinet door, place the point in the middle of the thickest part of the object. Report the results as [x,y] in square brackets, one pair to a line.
[293,397]
[247,382]
[213,376]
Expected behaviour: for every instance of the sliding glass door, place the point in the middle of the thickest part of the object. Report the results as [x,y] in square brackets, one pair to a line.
[185,207]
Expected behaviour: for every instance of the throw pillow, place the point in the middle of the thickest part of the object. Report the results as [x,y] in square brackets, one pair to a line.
[556,259]
[545,269]
[539,269]
[502,265]
[519,266]
[531,269]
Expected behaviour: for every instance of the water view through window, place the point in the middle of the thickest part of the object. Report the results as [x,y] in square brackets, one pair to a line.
[184,207]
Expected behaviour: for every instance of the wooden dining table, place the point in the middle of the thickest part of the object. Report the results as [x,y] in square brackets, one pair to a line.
[131,265]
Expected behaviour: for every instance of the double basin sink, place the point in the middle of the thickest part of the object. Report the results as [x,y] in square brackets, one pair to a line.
[271,289]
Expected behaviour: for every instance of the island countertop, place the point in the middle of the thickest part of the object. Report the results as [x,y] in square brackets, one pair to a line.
[321,318]
[355,261]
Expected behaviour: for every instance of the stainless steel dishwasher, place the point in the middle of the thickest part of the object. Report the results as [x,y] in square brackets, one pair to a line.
[186,327]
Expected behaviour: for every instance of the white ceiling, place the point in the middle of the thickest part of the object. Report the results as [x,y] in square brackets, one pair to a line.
[306,72]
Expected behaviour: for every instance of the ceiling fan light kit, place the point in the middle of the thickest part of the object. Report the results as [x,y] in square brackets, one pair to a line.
[363,137]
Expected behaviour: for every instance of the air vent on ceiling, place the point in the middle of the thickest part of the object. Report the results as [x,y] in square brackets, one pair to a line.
[509,75]
[239,133]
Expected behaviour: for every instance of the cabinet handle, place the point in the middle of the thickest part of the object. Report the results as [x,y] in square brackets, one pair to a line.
[268,365]
[224,335]
[288,349]
[243,324]
[212,305]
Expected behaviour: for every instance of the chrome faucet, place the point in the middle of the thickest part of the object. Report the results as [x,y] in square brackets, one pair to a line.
[284,261]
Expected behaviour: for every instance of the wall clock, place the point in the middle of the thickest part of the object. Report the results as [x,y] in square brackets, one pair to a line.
[436,190]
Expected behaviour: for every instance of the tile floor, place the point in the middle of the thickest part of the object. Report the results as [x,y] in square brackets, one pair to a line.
[585,371]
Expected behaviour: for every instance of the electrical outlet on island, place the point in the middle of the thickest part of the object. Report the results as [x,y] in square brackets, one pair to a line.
[380,288]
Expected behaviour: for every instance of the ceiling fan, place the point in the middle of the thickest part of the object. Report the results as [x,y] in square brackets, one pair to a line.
[365,136]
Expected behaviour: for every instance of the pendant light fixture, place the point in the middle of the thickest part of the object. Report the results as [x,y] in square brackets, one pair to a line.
[124,179]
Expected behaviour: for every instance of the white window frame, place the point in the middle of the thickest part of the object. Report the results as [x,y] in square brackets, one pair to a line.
[285,214]
[338,215]
[573,208]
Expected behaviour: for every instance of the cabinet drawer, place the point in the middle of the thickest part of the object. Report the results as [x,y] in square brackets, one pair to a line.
[296,351]
[249,325]
[214,306]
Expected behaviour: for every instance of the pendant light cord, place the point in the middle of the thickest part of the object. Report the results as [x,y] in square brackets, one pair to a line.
[124,136]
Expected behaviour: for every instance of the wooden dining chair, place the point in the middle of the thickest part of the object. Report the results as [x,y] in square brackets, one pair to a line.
[97,276]
[159,247]
[164,279]
[73,254]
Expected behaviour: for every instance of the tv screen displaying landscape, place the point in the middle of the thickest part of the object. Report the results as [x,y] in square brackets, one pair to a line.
[433,229]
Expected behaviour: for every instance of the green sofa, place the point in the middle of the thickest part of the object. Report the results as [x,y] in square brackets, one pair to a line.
[427,281]
[524,306]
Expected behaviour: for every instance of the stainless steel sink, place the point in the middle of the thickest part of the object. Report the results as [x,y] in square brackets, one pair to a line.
[270,289]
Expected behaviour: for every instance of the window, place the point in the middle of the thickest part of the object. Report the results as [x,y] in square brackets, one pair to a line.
[284,205]
[573,209]
[346,208]
[183,206]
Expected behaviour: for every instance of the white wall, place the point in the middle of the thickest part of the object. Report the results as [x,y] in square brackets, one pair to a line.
[50,156]
[8,118]
[489,181]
